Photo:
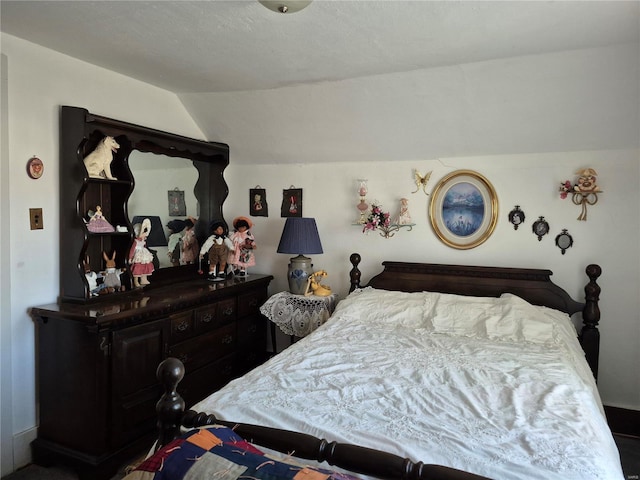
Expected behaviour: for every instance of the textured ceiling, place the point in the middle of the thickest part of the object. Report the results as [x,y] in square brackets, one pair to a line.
[215,46]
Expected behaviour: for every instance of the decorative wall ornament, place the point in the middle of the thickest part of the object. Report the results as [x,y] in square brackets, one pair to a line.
[35,168]
[564,240]
[540,228]
[177,205]
[377,220]
[464,209]
[258,206]
[362,206]
[291,202]
[516,217]
[421,181]
[584,192]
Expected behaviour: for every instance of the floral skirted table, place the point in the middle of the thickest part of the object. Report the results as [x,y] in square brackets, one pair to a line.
[297,315]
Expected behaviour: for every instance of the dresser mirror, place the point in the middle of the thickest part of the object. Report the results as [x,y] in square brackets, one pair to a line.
[155,176]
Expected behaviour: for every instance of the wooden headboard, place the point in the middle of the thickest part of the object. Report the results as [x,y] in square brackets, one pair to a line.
[533,285]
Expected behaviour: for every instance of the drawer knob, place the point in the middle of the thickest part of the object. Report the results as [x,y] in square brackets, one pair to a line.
[228,311]
[183,326]
[227,339]
[207,317]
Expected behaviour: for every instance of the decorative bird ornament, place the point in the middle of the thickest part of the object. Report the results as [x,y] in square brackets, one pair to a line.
[421,181]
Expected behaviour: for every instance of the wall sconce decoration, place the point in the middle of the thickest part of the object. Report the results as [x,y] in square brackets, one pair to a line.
[564,240]
[362,205]
[584,192]
[516,217]
[421,181]
[540,228]
[379,220]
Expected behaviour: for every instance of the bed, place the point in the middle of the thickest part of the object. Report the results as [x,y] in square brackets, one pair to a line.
[427,371]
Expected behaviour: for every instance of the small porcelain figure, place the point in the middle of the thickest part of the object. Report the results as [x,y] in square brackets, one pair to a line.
[140,257]
[217,246]
[244,243]
[404,218]
[97,223]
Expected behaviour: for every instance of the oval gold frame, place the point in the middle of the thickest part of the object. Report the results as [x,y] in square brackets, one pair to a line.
[489,197]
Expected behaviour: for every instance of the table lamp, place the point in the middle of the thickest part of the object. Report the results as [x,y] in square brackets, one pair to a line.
[299,236]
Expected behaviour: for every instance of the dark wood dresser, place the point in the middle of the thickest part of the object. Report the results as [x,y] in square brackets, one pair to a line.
[96,363]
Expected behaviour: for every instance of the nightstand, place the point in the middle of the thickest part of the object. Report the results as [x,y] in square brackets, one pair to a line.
[297,315]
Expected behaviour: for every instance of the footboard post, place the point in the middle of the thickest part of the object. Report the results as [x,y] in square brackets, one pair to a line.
[170,407]
[590,335]
[355,273]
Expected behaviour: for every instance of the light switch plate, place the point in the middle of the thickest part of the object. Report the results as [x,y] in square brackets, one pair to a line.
[35,217]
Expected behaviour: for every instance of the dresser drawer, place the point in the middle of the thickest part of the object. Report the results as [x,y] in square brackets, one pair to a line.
[199,384]
[250,303]
[215,315]
[182,326]
[206,348]
[252,331]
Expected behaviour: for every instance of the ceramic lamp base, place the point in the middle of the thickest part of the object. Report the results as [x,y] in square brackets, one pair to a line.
[298,274]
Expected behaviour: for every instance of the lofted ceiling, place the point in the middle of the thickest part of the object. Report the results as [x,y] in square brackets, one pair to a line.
[199,48]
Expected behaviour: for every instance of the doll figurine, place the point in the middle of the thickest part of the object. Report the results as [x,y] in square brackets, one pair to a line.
[242,256]
[140,257]
[217,246]
[92,279]
[182,245]
[404,218]
[97,223]
[189,246]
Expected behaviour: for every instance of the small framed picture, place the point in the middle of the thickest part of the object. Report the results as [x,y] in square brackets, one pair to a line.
[258,206]
[464,209]
[291,202]
[177,205]
[35,168]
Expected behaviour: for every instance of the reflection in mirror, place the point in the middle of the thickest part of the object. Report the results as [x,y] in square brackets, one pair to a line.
[154,176]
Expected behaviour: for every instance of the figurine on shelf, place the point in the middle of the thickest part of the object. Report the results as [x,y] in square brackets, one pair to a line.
[92,279]
[314,287]
[584,192]
[97,223]
[98,162]
[111,274]
[140,258]
[241,255]
[217,246]
[404,218]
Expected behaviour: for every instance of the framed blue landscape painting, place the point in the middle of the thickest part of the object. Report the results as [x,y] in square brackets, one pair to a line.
[464,209]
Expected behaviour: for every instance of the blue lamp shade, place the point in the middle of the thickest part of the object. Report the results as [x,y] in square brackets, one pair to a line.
[299,236]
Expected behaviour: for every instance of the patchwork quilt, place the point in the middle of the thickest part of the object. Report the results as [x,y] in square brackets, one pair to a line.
[217,452]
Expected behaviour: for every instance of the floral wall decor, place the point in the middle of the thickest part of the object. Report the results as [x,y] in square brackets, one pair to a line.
[584,192]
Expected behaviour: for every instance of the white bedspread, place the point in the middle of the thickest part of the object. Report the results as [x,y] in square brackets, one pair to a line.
[388,371]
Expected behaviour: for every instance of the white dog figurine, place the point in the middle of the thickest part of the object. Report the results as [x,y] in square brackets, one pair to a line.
[98,162]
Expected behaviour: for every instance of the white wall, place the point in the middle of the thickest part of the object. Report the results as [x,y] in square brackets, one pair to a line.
[38,82]
[610,237]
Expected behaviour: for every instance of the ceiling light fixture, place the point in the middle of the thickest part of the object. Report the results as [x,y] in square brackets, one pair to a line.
[285,6]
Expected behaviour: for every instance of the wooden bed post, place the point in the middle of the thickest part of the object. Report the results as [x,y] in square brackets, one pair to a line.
[590,335]
[355,273]
[170,407]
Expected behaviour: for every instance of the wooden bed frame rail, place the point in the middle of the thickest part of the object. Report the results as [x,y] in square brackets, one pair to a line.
[356,459]
[533,285]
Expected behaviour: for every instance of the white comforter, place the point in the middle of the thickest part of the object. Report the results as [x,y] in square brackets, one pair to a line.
[441,379]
